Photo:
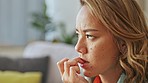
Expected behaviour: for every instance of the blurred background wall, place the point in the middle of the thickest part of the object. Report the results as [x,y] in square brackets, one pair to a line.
[16,17]
[63,11]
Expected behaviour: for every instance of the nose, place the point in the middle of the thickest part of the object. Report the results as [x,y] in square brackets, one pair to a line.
[81,47]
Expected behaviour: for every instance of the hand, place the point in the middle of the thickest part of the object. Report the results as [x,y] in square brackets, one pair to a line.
[70,71]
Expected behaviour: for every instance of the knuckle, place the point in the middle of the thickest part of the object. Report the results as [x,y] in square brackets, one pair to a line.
[62,61]
[65,59]
[58,63]
[65,79]
[66,63]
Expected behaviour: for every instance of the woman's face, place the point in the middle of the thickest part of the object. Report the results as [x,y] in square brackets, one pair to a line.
[95,45]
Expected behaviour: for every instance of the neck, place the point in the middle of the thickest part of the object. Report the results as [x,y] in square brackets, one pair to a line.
[111,76]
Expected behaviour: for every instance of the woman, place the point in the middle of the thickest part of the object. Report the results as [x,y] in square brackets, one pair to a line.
[112,43]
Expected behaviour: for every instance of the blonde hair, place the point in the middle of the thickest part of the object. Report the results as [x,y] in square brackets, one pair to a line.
[125,19]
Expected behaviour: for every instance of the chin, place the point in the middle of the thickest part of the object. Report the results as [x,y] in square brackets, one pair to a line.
[88,74]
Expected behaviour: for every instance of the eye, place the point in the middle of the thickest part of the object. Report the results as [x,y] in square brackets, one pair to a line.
[90,36]
[77,35]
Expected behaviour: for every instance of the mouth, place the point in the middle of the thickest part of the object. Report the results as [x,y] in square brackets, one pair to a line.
[84,65]
[85,61]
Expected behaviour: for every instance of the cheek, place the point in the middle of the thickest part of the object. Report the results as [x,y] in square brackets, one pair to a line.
[104,53]
[104,48]
[97,50]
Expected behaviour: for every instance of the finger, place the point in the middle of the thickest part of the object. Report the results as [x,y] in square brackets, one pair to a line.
[60,65]
[69,63]
[76,68]
[78,59]
[73,74]
[66,68]
[75,61]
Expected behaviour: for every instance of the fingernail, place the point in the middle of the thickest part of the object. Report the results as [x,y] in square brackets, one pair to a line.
[81,60]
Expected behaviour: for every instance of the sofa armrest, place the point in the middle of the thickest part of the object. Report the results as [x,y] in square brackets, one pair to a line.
[56,52]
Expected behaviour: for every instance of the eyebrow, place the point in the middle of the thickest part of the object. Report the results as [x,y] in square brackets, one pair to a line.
[87,30]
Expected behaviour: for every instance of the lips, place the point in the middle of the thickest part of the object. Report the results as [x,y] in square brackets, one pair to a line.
[84,65]
[84,61]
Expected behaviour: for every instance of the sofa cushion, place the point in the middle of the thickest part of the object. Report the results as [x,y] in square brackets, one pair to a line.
[8,64]
[26,65]
[19,77]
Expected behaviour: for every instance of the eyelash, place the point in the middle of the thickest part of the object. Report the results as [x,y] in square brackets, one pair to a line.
[90,36]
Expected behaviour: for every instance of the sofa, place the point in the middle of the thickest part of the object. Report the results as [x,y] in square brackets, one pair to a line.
[55,52]
[23,70]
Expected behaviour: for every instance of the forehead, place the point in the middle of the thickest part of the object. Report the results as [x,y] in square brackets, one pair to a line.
[84,14]
[86,20]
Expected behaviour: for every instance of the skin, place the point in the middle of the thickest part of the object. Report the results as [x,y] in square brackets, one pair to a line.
[98,52]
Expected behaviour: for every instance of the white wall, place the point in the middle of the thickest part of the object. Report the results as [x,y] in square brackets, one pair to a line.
[146,8]
[64,11]
[15,17]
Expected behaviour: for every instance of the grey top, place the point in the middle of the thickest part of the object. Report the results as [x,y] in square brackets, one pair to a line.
[121,79]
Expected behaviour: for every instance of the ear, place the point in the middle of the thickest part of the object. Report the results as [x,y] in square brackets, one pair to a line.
[122,47]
